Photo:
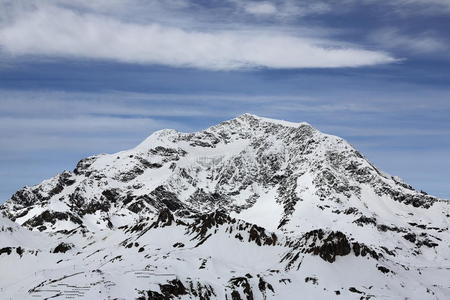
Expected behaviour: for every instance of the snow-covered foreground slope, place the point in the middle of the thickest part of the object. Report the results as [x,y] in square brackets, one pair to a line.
[251,208]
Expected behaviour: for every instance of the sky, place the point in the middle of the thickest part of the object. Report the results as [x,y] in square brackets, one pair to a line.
[81,77]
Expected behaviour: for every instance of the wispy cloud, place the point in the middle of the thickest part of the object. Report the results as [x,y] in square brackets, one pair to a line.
[261,8]
[435,7]
[60,104]
[75,133]
[391,38]
[294,8]
[283,9]
[57,31]
[182,33]
[350,131]
[50,115]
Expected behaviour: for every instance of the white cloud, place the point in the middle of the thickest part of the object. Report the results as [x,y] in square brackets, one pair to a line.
[78,124]
[77,131]
[350,131]
[261,8]
[63,104]
[282,9]
[420,43]
[421,6]
[52,31]
[296,8]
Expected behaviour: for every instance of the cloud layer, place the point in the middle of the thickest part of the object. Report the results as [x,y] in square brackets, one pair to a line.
[55,31]
[47,118]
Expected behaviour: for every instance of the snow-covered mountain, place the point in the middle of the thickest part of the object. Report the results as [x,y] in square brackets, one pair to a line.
[251,208]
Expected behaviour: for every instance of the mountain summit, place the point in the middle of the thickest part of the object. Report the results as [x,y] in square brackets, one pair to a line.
[251,208]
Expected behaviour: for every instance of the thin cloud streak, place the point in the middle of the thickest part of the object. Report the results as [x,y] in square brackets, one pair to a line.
[153,105]
[391,38]
[81,124]
[380,132]
[51,115]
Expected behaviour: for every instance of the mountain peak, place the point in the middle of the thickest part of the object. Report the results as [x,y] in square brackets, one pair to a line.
[244,124]
[251,117]
[251,206]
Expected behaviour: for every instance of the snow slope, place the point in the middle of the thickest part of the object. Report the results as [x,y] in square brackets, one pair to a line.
[252,208]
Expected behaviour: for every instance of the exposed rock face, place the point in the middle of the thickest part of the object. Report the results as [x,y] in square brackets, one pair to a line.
[62,248]
[251,208]
[327,247]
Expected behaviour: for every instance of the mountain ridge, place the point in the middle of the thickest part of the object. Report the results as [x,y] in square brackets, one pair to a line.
[252,184]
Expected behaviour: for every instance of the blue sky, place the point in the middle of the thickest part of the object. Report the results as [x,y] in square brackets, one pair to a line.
[83,77]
